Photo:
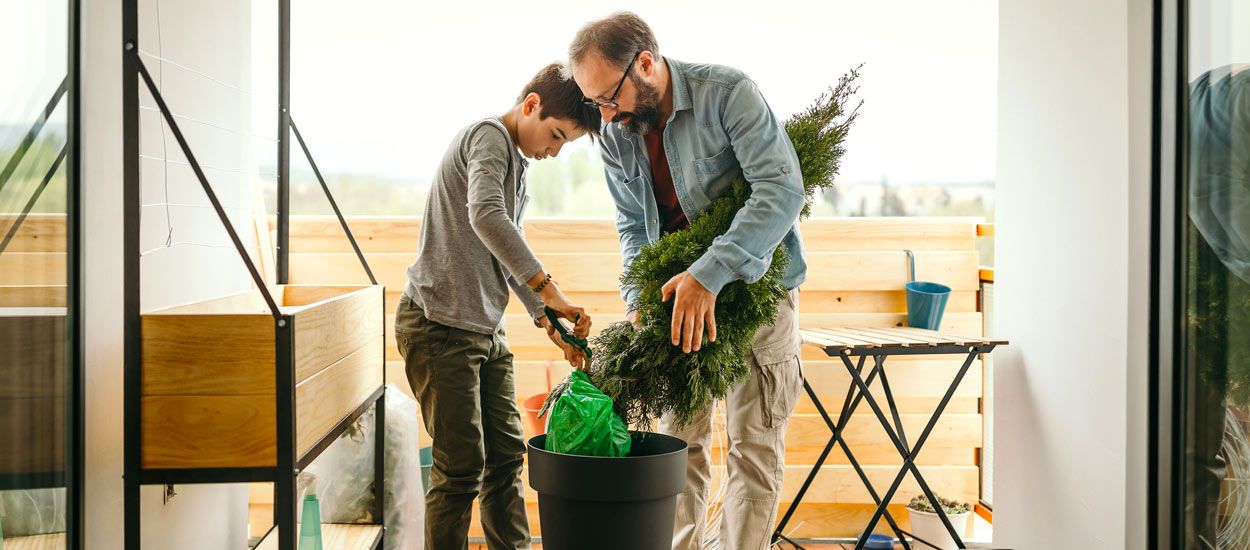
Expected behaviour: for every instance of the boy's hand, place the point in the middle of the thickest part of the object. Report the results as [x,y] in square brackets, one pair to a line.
[694,307]
[634,318]
[574,356]
[554,299]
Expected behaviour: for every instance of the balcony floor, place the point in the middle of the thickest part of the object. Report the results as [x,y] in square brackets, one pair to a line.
[982,533]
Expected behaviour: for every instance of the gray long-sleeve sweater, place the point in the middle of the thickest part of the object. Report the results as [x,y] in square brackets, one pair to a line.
[472,246]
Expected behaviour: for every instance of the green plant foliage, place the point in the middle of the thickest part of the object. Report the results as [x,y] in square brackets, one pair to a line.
[644,373]
[1217,322]
[951,507]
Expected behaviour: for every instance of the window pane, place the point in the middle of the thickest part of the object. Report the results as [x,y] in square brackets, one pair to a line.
[33,362]
[1216,364]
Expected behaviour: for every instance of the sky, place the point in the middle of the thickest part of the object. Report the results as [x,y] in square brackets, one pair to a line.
[33,36]
[381,86]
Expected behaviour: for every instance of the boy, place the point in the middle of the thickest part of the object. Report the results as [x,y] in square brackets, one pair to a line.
[449,323]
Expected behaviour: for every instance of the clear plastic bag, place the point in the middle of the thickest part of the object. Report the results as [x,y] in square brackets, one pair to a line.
[32,512]
[343,474]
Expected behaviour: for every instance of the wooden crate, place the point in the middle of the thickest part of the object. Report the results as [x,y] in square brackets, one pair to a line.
[209,373]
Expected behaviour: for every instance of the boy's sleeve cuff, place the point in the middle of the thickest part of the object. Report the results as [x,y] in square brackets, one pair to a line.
[522,278]
[537,312]
[710,273]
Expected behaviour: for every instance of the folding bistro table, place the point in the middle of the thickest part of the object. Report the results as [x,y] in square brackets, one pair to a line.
[880,343]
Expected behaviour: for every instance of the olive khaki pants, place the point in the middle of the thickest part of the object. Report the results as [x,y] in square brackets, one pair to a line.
[757,412]
[464,384]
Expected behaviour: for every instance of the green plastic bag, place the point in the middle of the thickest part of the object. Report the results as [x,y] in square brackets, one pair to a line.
[583,421]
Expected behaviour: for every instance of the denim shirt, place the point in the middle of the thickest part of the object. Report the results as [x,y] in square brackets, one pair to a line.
[720,128]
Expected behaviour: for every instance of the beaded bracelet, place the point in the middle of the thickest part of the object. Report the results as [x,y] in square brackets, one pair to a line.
[543,284]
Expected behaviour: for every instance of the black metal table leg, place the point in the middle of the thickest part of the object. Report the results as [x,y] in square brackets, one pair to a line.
[889,400]
[848,410]
[909,456]
[824,454]
[849,404]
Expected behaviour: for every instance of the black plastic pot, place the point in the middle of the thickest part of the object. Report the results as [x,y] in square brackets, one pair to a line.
[608,503]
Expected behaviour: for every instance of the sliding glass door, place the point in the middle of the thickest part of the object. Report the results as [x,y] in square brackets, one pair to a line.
[40,366]
[1204,177]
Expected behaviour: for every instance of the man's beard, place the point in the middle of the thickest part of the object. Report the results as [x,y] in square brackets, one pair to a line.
[646,116]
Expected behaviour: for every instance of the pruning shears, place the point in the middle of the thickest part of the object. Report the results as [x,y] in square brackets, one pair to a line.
[572,339]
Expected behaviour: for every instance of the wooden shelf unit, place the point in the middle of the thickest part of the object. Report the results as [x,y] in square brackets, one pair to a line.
[209,398]
[231,393]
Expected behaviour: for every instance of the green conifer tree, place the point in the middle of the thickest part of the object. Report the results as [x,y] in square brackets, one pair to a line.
[641,370]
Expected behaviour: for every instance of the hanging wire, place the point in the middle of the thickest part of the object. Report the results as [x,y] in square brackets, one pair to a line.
[160,80]
[207,206]
[205,166]
[214,125]
[187,243]
[166,161]
[190,70]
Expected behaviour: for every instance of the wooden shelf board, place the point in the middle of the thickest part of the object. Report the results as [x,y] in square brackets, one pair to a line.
[334,536]
[53,541]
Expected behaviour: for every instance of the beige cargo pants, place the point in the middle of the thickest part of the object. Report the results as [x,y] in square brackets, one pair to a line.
[757,414]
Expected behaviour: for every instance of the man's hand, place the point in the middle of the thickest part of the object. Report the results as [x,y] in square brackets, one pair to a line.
[694,307]
[633,318]
[574,356]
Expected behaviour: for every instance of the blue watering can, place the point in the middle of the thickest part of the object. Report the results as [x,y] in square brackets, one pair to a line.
[925,301]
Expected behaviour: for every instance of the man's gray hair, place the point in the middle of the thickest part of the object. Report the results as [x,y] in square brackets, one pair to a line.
[617,38]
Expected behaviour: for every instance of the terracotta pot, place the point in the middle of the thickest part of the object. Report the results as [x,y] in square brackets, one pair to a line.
[530,406]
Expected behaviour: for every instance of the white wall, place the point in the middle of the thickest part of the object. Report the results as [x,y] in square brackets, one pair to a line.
[1073,189]
[205,81]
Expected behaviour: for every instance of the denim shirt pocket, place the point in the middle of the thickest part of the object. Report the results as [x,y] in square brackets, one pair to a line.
[715,172]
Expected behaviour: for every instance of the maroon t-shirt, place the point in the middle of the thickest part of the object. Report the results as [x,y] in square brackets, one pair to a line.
[672,218]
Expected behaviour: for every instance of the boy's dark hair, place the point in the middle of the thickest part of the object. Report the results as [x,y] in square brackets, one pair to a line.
[562,98]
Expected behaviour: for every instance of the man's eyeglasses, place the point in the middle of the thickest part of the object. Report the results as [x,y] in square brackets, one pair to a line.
[611,102]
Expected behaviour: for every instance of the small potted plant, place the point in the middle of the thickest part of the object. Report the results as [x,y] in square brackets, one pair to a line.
[926,526]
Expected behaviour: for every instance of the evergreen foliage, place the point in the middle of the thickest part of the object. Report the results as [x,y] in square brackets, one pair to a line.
[639,368]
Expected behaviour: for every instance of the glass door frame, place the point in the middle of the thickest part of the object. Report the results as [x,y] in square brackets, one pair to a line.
[1168,398]
[1164,462]
[75,459]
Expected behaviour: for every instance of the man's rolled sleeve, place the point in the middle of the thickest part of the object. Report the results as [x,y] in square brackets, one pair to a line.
[771,167]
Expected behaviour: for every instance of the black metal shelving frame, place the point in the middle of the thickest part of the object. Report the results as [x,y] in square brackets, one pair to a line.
[289,464]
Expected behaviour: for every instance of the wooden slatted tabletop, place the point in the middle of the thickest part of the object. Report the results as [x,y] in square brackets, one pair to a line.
[835,340]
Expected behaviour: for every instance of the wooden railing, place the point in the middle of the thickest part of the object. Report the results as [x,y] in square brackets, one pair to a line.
[857,269]
[985,457]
